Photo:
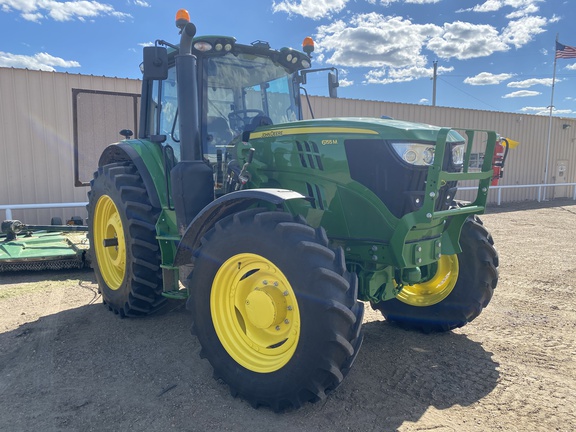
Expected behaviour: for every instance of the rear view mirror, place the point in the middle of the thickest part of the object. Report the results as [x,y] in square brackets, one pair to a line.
[333,84]
[155,65]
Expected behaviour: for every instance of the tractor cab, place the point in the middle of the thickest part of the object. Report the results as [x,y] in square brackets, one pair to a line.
[240,88]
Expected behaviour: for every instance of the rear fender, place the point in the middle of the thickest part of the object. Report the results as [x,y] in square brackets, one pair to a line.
[224,206]
[152,173]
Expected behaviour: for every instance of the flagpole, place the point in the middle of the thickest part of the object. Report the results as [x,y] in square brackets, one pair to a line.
[550,121]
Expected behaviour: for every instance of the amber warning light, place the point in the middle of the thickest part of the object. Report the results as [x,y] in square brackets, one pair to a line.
[182,18]
[308,45]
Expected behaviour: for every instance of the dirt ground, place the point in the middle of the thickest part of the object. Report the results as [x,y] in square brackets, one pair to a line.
[66,363]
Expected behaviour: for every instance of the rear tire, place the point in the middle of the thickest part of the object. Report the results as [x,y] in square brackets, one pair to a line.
[119,211]
[477,270]
[274,309]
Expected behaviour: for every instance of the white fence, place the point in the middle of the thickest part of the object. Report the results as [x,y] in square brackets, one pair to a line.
[540,193]
[9,207]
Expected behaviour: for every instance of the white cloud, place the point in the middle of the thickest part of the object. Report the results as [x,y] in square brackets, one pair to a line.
[571,67]
[464,40]
[487,78]
[521,6]
[388,76]
[34,17]
[394,47]
[521,93]
[532,82]
[141,3]
[344,82]
[314,9]
[545,110]
[375,40]
[522,31]
[39,61]
[36,10]
[389,2]
[317,9]
[423,101]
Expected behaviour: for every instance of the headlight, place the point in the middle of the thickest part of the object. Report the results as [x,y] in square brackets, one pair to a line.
[415,154]
[202,46]
[458,151]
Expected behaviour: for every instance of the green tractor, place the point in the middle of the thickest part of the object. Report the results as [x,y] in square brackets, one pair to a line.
[276,229]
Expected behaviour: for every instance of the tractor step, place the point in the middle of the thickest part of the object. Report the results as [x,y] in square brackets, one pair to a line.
[176,295]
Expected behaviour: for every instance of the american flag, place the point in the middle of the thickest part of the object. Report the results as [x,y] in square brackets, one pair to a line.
[565,51]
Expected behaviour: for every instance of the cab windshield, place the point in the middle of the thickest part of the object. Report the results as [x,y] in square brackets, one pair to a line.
[242,92]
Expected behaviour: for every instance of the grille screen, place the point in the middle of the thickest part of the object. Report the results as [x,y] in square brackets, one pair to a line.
[400,186]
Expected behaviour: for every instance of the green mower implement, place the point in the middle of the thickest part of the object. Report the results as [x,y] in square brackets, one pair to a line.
[40,247]
[276,229]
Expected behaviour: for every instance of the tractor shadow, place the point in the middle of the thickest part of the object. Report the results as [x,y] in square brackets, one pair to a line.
[69,369]
[399,374]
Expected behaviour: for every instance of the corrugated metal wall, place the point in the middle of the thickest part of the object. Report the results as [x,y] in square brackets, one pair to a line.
[36,152]
[525,164]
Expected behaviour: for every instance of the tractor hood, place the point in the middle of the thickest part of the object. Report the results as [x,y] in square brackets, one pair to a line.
[388,128]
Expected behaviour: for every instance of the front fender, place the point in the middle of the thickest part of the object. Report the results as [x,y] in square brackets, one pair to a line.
[222,207]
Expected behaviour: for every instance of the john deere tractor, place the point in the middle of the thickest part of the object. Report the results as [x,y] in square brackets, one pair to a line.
[277,230]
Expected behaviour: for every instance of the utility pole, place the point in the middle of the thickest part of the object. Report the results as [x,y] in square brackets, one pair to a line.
[434,82]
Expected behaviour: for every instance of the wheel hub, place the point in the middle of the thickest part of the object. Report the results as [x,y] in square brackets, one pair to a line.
[261,309]
[109,243]
[255,312]
[436,288]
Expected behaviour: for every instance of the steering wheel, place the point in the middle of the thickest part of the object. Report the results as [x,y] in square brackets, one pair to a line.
[240,118]
[259,120]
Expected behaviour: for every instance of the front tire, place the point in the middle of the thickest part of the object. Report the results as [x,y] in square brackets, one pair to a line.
[274,309]
[121,230]
[460,289]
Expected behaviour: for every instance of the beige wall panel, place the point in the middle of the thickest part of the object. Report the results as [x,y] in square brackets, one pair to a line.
[36,153]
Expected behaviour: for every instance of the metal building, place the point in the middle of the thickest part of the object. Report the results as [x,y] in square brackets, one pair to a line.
[46,117]
[38,124]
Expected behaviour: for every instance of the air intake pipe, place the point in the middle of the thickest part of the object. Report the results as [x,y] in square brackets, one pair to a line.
[192,179]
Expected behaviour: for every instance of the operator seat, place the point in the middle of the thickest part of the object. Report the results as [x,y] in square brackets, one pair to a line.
[218,133]
[256,122]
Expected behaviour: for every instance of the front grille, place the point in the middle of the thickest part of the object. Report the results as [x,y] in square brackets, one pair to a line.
[400,186]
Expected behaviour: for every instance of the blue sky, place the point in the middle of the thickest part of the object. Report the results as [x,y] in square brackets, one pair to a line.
[495,55]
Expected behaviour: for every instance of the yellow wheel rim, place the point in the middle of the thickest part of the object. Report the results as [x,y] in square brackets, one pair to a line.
[255,313]
[107,225]
[437,288]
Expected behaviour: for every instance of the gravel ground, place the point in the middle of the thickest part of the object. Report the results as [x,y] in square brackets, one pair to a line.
[67,364]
